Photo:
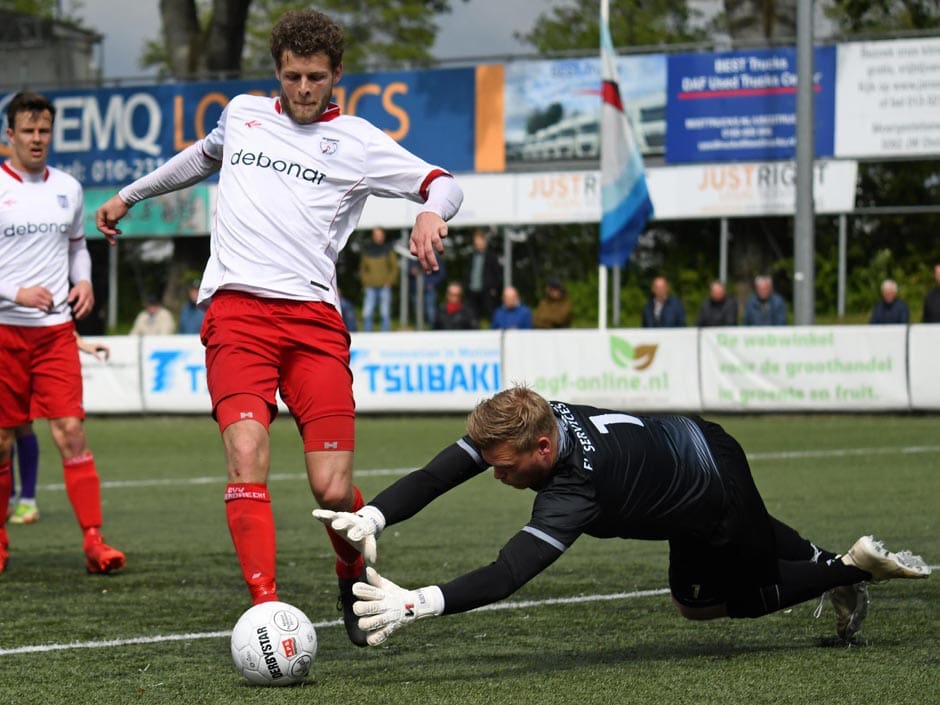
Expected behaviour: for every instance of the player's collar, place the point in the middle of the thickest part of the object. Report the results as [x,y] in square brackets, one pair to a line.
[332,111]
[23,177]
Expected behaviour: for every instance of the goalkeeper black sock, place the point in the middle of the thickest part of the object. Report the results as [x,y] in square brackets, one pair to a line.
[799,581]
[793,547]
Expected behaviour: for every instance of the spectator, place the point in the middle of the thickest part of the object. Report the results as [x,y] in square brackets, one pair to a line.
[378,271]
[347,309]
[890,309]
[554,310]
[428,281]
[155,319]
[513,313]
[191,315]
[718,309]
[765,307]
[455,313]
[932,300]
[663,310]
[484,278]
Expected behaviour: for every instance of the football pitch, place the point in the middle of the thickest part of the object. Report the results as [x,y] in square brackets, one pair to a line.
[597,627]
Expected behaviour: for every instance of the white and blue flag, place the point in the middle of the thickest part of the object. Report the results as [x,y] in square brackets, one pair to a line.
[625,200]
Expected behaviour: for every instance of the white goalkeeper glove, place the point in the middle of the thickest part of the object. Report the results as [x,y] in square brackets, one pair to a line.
[384,608]
[360,530]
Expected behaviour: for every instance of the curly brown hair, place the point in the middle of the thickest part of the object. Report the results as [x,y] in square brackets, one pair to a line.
[518,415]
[305,33]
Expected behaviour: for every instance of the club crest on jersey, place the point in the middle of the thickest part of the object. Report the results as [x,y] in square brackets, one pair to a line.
[329,146]
[63,200]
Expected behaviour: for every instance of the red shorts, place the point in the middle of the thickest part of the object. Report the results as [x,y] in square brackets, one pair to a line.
[41,374]
[258,346]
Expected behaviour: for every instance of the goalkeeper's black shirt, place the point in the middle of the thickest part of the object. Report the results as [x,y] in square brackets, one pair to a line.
[616,475]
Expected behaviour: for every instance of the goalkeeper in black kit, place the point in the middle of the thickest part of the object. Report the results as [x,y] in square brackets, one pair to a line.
[610,474]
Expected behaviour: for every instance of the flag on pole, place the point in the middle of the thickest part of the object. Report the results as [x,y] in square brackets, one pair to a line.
[625,200]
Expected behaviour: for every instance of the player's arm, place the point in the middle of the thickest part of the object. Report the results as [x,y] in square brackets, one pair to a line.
[81,296]
[188,167]
[406,497]
[384,607]
[443,197]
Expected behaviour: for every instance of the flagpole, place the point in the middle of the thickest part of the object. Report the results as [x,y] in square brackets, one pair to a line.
[601,269]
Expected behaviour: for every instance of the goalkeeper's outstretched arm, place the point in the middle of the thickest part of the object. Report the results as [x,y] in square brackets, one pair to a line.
[407,496]
[403,499]
[384,607]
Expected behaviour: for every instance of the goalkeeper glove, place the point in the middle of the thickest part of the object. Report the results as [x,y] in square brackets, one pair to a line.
[384,607]
[360,530]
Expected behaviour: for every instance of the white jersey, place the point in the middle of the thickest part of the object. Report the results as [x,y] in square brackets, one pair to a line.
[290,195]
[39,216]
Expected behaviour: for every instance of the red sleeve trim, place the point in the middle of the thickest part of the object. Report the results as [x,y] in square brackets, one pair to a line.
[423,191]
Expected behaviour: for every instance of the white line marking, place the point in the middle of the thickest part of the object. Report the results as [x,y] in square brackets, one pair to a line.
[111,643]
[386,472]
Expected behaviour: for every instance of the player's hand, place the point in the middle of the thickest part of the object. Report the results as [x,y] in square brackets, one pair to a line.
[384,608]
[108,215]
[427,238]
[35,297]
[359,530]
[99,350]
[81,299]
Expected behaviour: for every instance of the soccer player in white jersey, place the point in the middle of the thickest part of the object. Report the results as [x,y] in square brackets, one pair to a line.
[42,249]
[294,176]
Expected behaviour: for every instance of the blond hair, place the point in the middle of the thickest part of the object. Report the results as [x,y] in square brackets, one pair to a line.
[517,415]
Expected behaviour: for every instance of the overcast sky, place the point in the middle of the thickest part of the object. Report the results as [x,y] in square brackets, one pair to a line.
[475,28]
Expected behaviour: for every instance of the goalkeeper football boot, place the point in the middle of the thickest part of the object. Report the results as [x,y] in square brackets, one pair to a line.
[24,513]
[345,602]
[851,605]
[871,556]
[99,556]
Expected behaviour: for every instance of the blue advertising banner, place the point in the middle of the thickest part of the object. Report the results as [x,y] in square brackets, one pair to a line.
[741,105]
[111,136]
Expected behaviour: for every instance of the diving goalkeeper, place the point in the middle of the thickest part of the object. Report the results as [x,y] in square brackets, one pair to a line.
[610,474]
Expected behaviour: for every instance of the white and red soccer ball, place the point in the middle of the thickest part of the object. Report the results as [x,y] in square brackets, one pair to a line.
[274,643]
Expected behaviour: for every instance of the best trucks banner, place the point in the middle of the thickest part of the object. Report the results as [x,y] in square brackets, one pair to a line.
[741,105]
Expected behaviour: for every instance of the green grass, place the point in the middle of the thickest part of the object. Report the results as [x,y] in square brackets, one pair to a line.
[182,579]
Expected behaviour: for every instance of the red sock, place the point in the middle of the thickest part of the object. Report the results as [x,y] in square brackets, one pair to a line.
[6,487]
[251,524]
[84,489]
[349,563]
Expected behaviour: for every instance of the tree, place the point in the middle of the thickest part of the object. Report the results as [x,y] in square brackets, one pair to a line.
[632,23]
[230,37]
[749,20]
[858,16]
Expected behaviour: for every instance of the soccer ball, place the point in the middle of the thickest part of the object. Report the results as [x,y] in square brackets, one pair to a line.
[273,643]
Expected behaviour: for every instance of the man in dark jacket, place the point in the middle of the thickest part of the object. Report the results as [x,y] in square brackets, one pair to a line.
[718,309]
[932,300]
[455,313]
[891,309]
[663,310]
[484,279]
